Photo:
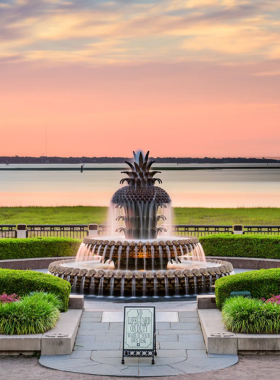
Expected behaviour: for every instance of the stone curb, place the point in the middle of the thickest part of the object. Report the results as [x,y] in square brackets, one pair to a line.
[206,301]
[220,341]
[76,302]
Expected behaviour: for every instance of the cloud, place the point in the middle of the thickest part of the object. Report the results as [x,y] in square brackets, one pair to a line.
[268,74]
[99,32]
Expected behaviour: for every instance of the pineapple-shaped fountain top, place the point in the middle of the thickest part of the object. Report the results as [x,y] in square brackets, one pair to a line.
[140,174]
[141,199]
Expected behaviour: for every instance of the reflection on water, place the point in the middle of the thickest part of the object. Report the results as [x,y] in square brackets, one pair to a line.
[207,188]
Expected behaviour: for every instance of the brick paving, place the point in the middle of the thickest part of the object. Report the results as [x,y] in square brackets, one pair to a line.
[250,367]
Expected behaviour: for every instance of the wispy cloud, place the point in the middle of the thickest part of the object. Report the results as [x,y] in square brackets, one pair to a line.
[268,74]
[136,31]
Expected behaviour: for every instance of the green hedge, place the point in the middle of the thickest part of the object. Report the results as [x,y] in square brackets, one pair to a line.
[258,246]
[37,247]
[261,283]
[23,282]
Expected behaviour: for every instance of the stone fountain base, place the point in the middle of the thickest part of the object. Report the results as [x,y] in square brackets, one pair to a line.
[122,282]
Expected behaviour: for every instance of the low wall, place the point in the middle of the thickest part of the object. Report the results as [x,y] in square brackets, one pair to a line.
[38,263]
[249,263]
[237,262]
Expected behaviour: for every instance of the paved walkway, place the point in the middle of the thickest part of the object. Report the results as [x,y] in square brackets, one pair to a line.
[180,344]
[249,367]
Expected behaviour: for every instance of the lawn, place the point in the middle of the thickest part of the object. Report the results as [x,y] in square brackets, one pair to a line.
[85,215]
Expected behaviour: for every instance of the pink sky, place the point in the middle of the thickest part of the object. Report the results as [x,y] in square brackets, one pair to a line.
[197,78]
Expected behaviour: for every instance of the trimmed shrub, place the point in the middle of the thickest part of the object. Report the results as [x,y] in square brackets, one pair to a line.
[261,283]
[258,246]
[22,282]
[33,314]
[37,247]
[251,316]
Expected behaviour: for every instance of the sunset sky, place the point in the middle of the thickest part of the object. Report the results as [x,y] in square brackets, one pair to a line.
[102,78]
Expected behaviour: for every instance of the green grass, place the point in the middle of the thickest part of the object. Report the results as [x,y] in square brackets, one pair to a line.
[228,216]
[85,215]
[53,215]
[251,316]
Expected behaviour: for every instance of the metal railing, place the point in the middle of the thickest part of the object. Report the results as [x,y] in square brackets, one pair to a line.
[261,230]
[79,231]
[200,230]
[8,231]
[185,230]
[74,231]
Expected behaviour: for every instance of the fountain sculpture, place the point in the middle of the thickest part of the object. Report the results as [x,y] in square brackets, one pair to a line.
[141,257]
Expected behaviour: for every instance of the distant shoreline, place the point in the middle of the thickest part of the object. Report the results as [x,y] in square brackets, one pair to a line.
[11,160]
[7,168]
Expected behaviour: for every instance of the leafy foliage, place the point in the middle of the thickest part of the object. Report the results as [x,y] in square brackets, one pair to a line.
[251,316]
[262,246]
[23,282]
[33,314]
[37,247]
[261,283]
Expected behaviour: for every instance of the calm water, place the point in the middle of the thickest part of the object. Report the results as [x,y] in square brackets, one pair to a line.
[206,188]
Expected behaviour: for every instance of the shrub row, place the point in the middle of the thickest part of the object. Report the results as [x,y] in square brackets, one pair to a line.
[257,246]
[261,283]
[37,247]
[23,282]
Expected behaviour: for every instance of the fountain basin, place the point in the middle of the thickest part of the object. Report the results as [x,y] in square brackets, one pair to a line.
[83,275]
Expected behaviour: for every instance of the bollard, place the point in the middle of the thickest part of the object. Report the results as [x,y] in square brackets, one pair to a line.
[238,229]
[21,231]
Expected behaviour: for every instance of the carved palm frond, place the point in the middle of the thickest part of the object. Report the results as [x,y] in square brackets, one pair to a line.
[161,229]
[151,174]
[120,229]
[140,174]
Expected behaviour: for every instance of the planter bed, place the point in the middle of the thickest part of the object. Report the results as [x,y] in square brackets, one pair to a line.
[57,341]
[220,341]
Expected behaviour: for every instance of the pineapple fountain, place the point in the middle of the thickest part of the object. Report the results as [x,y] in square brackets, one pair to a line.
[140,256]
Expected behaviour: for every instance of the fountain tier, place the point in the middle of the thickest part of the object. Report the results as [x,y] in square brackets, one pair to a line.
[135,283]
[141,255]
